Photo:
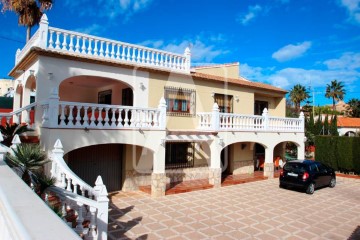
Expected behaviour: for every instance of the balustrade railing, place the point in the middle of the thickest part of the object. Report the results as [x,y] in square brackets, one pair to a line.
[22,115]
[74,193]
[100,116]
[60,40]
[216,121]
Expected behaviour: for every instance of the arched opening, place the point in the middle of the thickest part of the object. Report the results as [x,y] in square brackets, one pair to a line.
[350,134]
[93,89]
[119,165]
[18,98]
[30,90]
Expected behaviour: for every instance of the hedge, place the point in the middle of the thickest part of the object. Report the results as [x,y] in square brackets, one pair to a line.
[341,153]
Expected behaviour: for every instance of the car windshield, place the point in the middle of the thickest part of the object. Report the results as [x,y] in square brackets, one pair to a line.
[295,167]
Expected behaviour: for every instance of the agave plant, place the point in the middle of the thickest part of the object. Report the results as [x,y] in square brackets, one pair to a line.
[43,182]
[29,160]
[9,131]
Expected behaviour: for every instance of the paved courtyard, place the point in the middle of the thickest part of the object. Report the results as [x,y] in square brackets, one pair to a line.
[256,210]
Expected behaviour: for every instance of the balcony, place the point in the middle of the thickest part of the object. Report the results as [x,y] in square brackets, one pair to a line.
[92,47]
[216,121]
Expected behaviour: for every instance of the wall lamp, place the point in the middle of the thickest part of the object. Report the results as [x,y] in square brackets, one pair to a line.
[142,86]
[50,76]
[212,94]
[237,98]
[32,72]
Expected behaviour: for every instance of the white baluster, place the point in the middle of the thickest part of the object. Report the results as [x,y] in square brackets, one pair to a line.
[113,119]
[79,227]
[155,119]
[152,58]
[138,59]
[143,59]
[128,53]
[106,117]
[64,44]
[83,48]
[118,51]
[107,50]
[113,50]
[71,118]
[51,42]
[57,43]
[86,118]
[96,47]
[156,58]
[78,117]
[62,115]
[161,59]
[77,46]
[68,187]
[100,118]
[92,234]
[133,57]
[133,116]
[89,49]
[123,52]
[126,118]
[148,57]
[63,180]
[75,188]
[92,118]
[101,53]
[71,45]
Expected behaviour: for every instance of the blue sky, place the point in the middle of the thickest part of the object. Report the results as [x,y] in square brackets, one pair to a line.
[281,42]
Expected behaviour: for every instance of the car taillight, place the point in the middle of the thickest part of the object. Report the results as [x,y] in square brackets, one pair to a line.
[281,173]
[305,176]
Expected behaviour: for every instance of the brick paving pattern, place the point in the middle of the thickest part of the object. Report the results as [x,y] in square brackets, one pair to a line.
[255,210]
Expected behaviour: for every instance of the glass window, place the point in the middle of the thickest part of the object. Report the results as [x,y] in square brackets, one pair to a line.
[180,101]
[179,155]
[225,102]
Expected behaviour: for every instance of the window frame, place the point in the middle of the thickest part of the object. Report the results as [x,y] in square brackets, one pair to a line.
[102,97]
[225,98]
[184,95]
[187,162]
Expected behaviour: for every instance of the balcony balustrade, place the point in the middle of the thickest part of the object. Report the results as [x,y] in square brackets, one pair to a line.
[216,121]
[75,43]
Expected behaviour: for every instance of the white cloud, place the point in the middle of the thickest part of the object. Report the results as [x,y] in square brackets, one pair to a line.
[253,11]
[291,51]
[94,29]
[353,9]
[204,48]
[286,78]
[348,61]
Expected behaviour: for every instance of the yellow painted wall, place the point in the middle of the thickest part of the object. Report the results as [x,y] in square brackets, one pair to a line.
[227,71]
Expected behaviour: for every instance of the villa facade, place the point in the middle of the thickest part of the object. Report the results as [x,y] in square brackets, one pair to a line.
[140,116]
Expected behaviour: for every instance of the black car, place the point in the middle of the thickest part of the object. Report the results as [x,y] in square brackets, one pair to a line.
[307,175]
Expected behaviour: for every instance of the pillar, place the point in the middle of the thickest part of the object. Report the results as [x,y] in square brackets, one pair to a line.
[269,163]
[215,163]
[158,176]
[301,150]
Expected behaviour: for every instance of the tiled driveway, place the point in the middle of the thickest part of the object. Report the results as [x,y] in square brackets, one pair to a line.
[257,210]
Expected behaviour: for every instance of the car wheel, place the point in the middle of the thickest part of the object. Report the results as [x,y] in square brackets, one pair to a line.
[332,182]
[282,186]
[310,189]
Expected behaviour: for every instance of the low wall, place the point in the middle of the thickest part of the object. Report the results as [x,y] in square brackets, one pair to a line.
[23,215]
[244,166]
[134,179]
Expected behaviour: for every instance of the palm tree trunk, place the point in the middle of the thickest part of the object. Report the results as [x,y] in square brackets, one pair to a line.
[333,104]
[28,33]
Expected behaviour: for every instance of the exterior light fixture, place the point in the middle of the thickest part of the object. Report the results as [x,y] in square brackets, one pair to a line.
[212,94]
[32,72]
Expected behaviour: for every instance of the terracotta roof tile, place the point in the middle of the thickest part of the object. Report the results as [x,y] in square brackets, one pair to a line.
[239,81]
[348,122]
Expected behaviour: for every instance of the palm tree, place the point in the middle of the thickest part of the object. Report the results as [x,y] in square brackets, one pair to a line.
[9,131]
[29,159]
[298,94]
[336,91]
[354,107]
[29,11]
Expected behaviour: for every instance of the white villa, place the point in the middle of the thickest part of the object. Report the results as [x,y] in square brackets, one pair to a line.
[139,116]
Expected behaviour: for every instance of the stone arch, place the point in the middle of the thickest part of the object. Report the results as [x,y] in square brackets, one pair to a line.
[350,134]
[29,92]
[18,96]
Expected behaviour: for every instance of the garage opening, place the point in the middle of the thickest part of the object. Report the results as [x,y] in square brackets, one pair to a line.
[105,160]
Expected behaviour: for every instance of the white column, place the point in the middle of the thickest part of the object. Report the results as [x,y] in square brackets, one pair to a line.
[53,108]
[215,162]
[158,176]
[301,150]
[269,164]
[302,124]
[266,119]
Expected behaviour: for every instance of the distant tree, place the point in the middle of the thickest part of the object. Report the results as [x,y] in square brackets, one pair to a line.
[335,91]
[290,110]
[325,130]
[29,11]
[318,126]
[354,107]
[333,126]
[298,94]
[325,110]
